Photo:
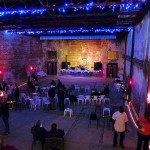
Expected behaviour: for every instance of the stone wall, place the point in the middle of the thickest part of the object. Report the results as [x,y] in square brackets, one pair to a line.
[17,53]
[137,65]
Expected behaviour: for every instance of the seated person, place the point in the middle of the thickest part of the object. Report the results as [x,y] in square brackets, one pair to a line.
[95,93]
[38,132]
[37,85]
[30,85]
[54,132]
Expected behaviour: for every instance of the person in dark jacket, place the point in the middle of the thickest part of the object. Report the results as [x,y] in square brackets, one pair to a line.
[61,96]
[51,94]
[39,132]
[5,115]
[16,93]
[54,132]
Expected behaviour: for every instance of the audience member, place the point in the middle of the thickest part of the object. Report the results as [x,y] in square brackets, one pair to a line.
[5,115]
[119,120]
[54,132]
[34,75]
[39,133]
[10,92]
[53,83]
[95,93]
[106,90]
[59,84]
[143,131]
[37,87]
[61,96]
[16,93]
[3,86]
[30,85]
[51,94]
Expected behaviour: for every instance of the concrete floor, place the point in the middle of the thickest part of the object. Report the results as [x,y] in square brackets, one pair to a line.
[78,135]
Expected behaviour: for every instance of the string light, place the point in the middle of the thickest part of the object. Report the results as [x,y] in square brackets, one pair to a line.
[70,31]
[85,7]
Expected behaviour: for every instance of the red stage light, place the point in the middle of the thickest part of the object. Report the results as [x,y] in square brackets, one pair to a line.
[1,72]
[130,82]
[31,68]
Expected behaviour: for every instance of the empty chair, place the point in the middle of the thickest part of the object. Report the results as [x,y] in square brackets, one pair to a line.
[117,86]
[106,100]
[93,116]
[45,102]
[87,88]
[77,88]
[80,98]
[106,114]
[67,100]
[68,110]
[87,99]
[33,104]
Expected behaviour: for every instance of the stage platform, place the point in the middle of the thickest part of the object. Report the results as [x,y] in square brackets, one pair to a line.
[85,73]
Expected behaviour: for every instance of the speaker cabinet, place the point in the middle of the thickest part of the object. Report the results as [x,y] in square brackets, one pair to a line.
[64,65]
[97,66]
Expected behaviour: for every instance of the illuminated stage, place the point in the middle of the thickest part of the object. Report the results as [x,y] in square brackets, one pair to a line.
[85,73]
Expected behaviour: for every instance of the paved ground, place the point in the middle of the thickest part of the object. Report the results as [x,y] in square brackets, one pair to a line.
[78,135]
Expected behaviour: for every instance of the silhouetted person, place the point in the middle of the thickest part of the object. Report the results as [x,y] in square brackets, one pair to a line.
[61,96]
[4,113]
[59,84]
[54,132]
[39,133]
[51,94]
[106,91]
[16,93]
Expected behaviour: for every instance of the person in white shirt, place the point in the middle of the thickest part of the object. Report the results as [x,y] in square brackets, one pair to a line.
[120,120]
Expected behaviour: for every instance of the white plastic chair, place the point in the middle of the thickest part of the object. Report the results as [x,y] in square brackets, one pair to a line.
[106,112]
[45,102]
[68,110]
[67,100]
[87,99]
[87,88]
[77,88]
[106,100]
[80,99]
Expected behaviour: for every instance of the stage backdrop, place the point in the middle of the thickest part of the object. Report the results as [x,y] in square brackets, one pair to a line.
[85,52]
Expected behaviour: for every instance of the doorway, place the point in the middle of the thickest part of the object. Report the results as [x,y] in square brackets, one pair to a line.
[52,68]
[112,70]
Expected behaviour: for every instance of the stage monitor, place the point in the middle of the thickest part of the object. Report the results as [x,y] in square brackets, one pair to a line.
[64,65]
[97,66]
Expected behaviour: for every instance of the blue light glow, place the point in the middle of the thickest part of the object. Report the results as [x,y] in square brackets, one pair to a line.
[77,37]
[75,7]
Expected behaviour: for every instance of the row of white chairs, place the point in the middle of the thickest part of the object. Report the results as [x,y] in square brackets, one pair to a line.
[35,102]
[87,88]
[93,99]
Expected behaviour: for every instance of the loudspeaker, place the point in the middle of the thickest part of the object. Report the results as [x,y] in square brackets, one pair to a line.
[64,65]
[97,66]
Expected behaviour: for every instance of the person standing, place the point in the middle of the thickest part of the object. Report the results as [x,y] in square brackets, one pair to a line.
[16,93]
[39,133]
[51,94]
[5,115]
[143,131]
[119,120]
[61,96]
[54,132]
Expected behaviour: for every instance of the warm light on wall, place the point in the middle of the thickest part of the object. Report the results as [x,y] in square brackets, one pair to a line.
[148,98]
